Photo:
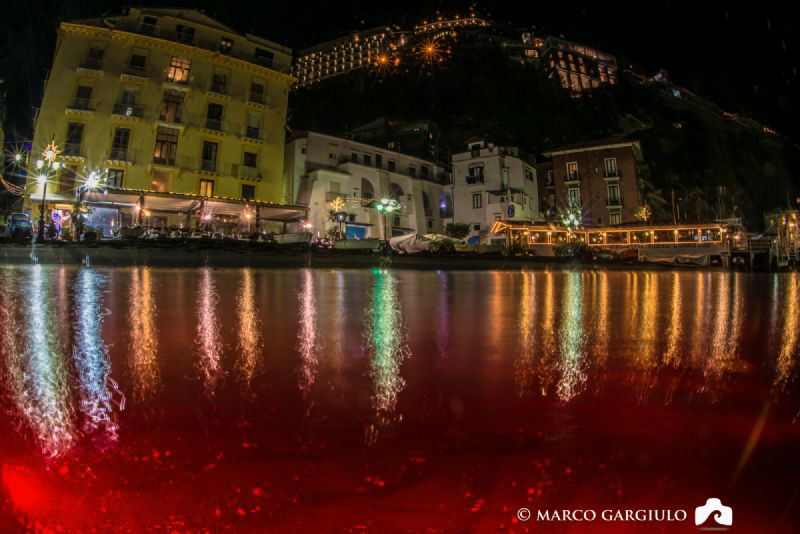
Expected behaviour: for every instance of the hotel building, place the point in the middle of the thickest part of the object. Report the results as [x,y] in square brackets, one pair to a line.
[346,54]
[183,115]
[602,177]
[334,175]
[577,67]
[492,183]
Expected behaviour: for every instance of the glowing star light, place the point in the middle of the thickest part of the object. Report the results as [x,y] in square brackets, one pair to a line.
[51,152]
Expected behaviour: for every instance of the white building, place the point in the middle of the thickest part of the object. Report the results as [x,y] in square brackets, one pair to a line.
[321,168]
[492,183]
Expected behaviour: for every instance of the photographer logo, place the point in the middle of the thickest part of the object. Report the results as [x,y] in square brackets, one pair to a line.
[719,516]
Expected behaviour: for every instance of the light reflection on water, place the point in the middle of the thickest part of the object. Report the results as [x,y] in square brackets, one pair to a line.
[560,334]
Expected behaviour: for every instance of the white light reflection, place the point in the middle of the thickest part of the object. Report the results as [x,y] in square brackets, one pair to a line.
[524,366]
[91,357]
[307,343]
[143,346]
[250,341]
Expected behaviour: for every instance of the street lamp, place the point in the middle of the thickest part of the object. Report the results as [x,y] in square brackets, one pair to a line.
[93,180]
[45,166]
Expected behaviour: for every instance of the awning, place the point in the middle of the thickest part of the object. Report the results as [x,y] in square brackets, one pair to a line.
[183,203]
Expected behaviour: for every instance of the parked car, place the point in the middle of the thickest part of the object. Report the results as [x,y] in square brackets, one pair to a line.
[19,227]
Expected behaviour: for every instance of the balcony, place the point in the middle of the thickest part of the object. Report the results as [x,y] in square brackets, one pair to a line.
[251,132]
[120,154]
[251,173]
[214,124]
[330,196]
[72,150]
[128,110]
[615,202]
[611,175]
[164,160]
[135,71]
[92,63]
[180,80]
[257,98]
[572,177]
[209,165]
[474,179]
[80,104]
[173,117]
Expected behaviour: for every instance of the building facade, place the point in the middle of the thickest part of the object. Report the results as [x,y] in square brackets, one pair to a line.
[168,104]
[492,183]
[331,175]
[356,51]
[600,177]
[577,67]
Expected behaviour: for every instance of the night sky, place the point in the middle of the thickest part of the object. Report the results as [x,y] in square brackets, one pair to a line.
[744,58]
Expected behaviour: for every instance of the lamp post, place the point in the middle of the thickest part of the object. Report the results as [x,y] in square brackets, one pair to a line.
[92,181]
[45,166]
[387,206]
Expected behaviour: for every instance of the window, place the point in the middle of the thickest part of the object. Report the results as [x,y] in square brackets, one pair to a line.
[424,171]
[572,170]
[173,106]
[226,45]
[613,195]
[611,167]
[250,159]
[209,156]
[257,93]
[148,25]
[185,34]
[614,218]
[115,177]
[94,56]
[367,191]
[476,227]
[119,146]
[392,166]
[166,145]
[214,116]
[253,125]
[395,192]
[379,161]
[574,196]
[72,146]
[178,71]
[264,57]
[426,204]
[248,191]
[82,97]
[475,174]
[354,157]
[477,200]
[367,160]
[137,64]
[412,171]
[206,188]
[219,83]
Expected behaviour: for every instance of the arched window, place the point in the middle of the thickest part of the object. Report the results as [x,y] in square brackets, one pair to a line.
[367,191]
[445,206]
[395,192]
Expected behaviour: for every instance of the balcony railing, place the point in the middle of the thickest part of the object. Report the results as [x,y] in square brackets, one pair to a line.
[120,154]
[136,70]
[214,124]
[81,104]
[330,196]
[245,171]
[614,203]
[474,179]
[164,160]
[257,98]
[181,78]
[611,174]
[252,132]
[92,63]
[72,149]
[208,165]
[128,110]
[573,177]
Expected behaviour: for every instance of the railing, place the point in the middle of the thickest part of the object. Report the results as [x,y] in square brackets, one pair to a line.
[573,177]
[257,98]
[208,165]
[611,174]
[164,160]
[92,63]
[614,203]
[81,104]
[120,154]
[128,110]
[330,196]
[72,149]
[474,179]
[136,70]
[252,132]
[174,117]
[245,171]
[185,81]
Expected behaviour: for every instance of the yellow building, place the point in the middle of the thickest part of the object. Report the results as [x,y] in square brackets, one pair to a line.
[182,117]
